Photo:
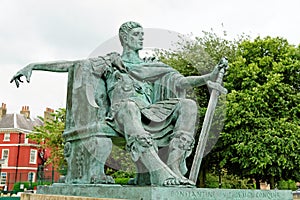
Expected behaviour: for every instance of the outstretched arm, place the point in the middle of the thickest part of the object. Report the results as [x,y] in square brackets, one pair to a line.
[56,66]
[194,81]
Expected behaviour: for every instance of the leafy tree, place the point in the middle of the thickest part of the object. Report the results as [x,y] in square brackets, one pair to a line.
[49,137]
[261,138]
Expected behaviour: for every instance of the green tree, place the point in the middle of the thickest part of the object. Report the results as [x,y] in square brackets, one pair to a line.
[261,138]
[49,137]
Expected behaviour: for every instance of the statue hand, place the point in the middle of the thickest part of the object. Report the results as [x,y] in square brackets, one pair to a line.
[223,63]
[26,71]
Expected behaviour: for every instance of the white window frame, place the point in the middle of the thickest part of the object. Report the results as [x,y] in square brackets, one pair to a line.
[3,178]
[6,137]
[6,159]
[26,140]
[33,176]
[32,160]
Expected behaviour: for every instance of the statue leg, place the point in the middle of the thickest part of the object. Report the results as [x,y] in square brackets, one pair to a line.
[99,149]
[182,143]
[142,147]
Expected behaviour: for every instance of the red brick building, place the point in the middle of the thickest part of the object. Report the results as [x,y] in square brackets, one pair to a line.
[20,157]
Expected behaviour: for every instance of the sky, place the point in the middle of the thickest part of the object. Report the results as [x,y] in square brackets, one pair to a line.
[39,31]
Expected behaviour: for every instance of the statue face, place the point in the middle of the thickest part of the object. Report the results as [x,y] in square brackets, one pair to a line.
[135,39]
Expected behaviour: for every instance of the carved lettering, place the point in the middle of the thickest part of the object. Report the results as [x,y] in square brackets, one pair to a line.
[227,194]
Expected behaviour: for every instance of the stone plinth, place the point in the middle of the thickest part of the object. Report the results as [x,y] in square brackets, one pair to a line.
[58,197]
[162,193]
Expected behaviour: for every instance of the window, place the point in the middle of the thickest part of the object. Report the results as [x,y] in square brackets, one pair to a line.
[33,154]
[31,176]
[5,153]
[6,137]
[26,140]
[3,178]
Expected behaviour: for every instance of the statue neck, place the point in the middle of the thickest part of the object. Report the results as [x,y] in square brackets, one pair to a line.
[131,56]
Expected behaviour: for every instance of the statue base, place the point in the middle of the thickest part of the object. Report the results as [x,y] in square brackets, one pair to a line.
[26,196]
[148,193]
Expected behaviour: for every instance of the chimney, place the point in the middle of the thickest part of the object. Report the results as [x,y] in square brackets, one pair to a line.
[3,110]
[25,111]
[48,114]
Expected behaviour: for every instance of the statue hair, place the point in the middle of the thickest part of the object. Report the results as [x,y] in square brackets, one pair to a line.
[126,27]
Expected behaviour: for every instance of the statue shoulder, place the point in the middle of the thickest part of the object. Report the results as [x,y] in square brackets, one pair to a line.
[101,65]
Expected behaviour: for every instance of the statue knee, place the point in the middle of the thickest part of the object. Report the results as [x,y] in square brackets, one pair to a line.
[188,103]
[188,106]
[127,109]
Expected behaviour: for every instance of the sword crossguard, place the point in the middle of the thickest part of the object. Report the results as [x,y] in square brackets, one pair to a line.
[217,86]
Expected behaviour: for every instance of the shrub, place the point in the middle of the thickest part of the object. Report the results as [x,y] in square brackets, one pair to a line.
[17,185]
[287,185]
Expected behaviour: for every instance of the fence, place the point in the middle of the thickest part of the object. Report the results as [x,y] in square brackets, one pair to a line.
[13,183]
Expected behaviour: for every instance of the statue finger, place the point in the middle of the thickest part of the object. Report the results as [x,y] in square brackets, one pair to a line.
[28,77]
[13,79]
[17,82]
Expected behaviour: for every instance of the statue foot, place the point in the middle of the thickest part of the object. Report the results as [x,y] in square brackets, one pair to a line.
[178,182]
[104,179]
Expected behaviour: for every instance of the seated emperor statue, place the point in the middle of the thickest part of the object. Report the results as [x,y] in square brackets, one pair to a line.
[147,106]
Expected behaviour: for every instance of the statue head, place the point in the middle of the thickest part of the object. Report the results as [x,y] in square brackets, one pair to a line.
[128,30]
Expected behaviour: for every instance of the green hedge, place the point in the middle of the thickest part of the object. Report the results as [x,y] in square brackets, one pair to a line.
[287,185]
[17,185]
[228,182]
[122,181]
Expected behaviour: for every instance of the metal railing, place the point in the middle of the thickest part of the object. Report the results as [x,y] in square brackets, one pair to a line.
[20,182]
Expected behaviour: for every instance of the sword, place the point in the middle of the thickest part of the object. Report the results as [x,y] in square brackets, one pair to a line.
[217,88]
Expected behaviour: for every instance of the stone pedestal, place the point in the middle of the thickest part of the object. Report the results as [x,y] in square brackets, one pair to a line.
[162,193]
[58,197]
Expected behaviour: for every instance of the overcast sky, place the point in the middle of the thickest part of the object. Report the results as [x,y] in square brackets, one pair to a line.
[36,31]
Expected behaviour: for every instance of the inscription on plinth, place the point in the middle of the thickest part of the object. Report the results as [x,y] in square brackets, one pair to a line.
[212,194]
[162,193]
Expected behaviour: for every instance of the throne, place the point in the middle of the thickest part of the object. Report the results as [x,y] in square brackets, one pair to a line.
[87,135]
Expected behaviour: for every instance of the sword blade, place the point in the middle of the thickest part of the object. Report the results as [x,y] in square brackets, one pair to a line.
[207,124]
[204,135]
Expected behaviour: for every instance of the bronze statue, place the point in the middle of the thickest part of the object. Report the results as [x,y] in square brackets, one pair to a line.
[142,100]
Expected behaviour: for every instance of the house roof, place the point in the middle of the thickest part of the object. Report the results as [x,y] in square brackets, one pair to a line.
[19,121]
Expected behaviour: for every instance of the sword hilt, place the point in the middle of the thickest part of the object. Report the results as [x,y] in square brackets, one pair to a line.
[223,65]
[217,85]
